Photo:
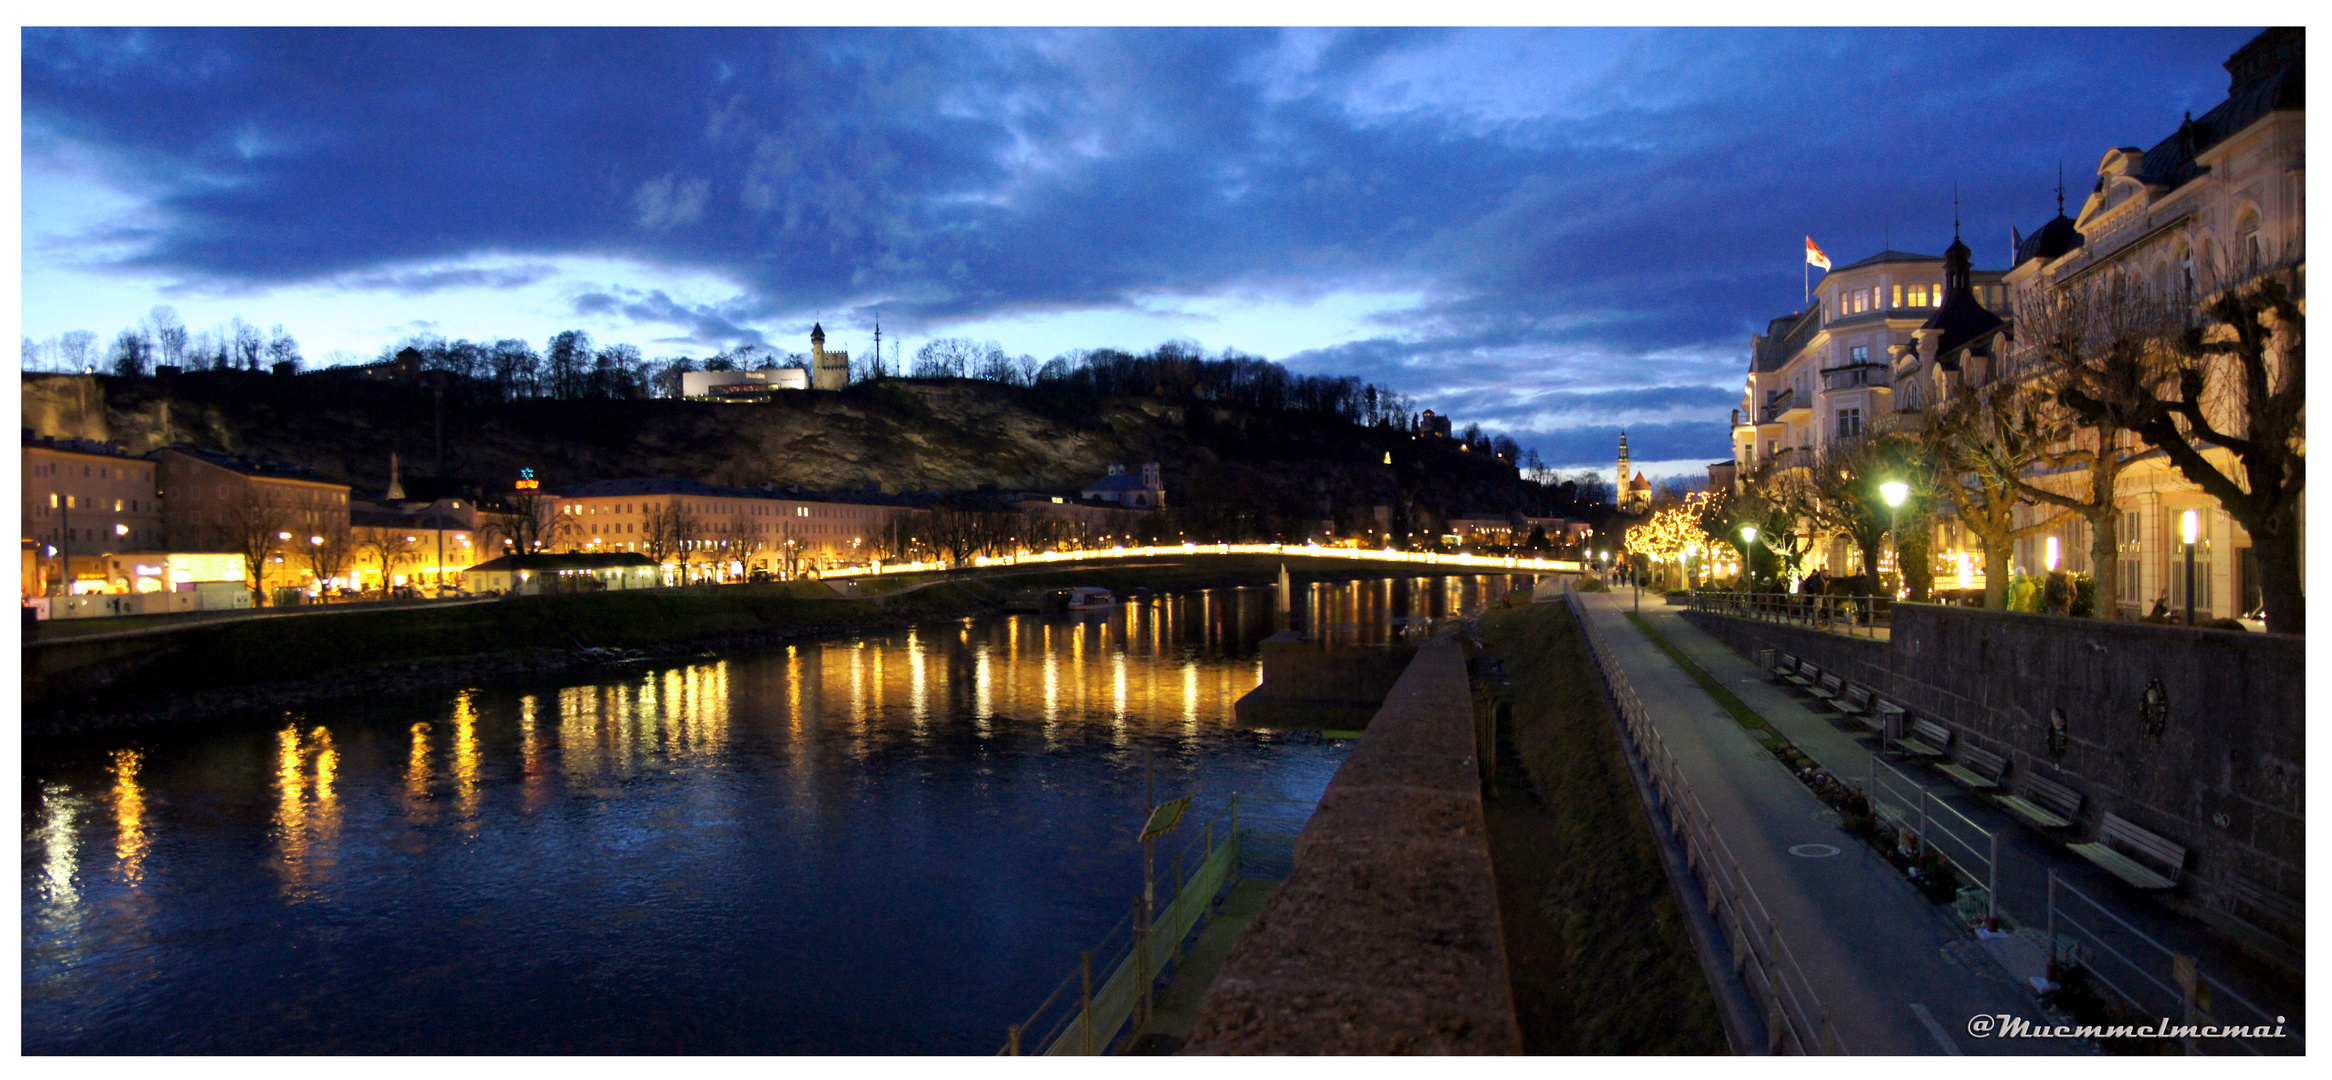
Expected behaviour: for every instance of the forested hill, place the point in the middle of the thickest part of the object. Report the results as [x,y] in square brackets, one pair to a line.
[1231,468]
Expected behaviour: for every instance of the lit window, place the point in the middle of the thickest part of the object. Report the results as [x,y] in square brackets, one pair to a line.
[1898,296]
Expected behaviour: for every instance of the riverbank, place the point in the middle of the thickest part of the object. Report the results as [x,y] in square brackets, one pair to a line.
[1595,940]
[148,672]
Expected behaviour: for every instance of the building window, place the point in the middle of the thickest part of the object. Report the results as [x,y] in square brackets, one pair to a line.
[2127,588]
[1849,423]
[1918,296]
[1860,353]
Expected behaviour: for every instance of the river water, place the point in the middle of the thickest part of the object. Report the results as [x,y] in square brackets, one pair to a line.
[890,844]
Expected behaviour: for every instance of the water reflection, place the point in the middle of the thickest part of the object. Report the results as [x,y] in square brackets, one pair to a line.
[891,844]
[129,818]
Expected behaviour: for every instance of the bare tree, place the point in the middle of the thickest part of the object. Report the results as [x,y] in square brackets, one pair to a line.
[2101,347]
[530,522]
[169,334]
[2236,379]
[1983,440]
[245,341]
[387,546]
[324,539]
[282,348]
[254,526]
[671,530]
[78,348]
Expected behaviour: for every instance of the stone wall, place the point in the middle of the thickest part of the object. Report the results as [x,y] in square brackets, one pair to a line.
[2222,773]
[1309,683]
[1386,938]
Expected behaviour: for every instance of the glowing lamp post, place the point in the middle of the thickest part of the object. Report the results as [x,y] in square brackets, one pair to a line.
[1748,548]
[2190,530]
[1894,492]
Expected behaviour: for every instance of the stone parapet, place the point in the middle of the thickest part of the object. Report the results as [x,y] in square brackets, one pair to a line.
[1386,938]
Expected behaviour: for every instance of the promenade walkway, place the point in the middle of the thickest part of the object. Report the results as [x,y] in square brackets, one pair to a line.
[1843,747]
[1896,975]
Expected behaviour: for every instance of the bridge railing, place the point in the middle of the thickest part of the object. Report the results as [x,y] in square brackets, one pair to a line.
[1796,1021]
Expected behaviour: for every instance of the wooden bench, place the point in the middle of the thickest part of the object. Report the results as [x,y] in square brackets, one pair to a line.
[1804,676]
[2156,861]
[1784,667]
[1828,689]
[1927,739]
[1856,701]
[2042,803]
[1976,769]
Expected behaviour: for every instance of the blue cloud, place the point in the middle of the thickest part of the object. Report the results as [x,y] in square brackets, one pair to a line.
[1619,230]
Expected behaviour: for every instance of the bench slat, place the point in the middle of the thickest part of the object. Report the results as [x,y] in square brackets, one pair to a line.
[1914,746]
[2121,866]
[2016,804]
[1964,776]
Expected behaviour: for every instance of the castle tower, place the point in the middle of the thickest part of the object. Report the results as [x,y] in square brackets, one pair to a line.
[828,370]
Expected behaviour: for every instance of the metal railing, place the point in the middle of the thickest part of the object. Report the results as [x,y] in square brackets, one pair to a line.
[1083,1016]
[1971,849]
[2155,980]
[1796,1021]
[1864,615]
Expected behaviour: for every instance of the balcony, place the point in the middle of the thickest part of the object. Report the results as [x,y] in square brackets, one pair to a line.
[1785,406]
[1854,377]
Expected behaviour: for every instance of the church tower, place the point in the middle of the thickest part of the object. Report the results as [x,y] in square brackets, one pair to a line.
[1619,483]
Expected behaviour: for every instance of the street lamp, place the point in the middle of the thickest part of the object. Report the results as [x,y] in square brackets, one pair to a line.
[1894,492]
[2190,530]
[1748,547]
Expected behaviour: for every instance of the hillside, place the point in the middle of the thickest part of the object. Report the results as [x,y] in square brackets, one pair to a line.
[1229,470]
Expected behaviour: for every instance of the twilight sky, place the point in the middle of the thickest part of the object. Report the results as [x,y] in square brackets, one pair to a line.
[1554,233]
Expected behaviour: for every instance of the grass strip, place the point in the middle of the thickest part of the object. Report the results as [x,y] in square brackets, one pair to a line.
[1597,954]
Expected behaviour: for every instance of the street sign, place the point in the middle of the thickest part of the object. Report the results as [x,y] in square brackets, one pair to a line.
[1164,817]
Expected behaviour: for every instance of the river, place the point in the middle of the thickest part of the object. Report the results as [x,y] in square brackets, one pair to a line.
[889,844]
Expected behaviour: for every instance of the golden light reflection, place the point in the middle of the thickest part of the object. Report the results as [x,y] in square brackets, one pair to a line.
[918,698]
[326,822]
[983,688]
[793,690]
[291,810]
[417,774]
[530,756]
[465,757]
[129,819]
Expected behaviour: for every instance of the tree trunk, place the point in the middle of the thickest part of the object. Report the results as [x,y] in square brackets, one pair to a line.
[2105,546]
[2280,561]
[1998,554]
[1911,555]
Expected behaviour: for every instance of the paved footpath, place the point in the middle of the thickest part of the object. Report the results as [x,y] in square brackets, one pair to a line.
[1843,747]
[1897,977]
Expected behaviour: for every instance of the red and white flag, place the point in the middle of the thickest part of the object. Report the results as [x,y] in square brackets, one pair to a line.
[1814,255]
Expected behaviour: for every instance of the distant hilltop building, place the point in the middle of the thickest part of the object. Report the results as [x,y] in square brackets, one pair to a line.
[1431,426]
[1146,493]
[828,370]
[742,385]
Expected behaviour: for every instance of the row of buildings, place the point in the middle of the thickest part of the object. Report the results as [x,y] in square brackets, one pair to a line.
[188,528]
[1890,336]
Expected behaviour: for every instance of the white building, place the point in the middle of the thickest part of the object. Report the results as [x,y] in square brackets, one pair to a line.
[699,384]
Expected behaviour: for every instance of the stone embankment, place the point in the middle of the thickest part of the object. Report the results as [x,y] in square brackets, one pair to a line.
[1386,938]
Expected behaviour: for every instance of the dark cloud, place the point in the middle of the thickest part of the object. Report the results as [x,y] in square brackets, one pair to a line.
[1630,231]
